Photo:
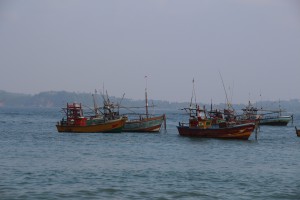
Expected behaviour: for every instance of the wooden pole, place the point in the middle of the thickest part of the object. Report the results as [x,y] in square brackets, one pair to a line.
[256,127]
[165,122]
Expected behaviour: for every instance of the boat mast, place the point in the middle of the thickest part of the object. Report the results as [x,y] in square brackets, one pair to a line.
[193,97]
[95,104]
[146,98]
[279,108]
[194,91]
[228,103]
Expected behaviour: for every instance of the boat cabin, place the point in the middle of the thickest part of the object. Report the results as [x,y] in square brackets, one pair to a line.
[200,120]
[74,115]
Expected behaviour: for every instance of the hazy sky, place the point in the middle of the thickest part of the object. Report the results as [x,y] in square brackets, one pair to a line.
[77,45]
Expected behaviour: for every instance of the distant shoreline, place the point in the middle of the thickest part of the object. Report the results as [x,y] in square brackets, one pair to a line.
[53,99]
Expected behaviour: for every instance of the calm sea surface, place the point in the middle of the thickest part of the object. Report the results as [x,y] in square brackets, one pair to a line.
[36,162]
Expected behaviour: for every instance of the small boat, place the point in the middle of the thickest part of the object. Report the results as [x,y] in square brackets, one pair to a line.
[266,117]
[276,120]
[297,131]
[76,122]
[200,125]
[145,122]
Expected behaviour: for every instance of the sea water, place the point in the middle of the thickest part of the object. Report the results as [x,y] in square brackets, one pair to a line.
[37,162]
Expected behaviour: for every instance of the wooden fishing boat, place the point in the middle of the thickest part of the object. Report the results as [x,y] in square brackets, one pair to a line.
[78,123]
[266,117]
[297,131]
[145,122]
[214,124]
[200,125]
[275,120]
[242,131]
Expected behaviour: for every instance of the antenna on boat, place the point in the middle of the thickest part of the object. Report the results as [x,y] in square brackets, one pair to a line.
[146,97]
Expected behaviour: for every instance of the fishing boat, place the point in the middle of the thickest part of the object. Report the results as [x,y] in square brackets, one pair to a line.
[206,124]
[145,122]
[297,131]
[279,120]
[107,122]
[266,117]
[200,125]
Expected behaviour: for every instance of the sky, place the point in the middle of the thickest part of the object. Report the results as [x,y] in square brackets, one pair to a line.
[80,46]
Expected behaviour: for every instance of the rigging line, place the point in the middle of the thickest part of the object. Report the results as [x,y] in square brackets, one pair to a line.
[121,99]
[126,108]
[231,98]
[119,104]
[103,97]
[228,104]
[90,109]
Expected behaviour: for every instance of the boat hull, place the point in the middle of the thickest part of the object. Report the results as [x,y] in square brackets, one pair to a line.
[278,121]
[112,126]
[151,124]
[241,132]
[297,131]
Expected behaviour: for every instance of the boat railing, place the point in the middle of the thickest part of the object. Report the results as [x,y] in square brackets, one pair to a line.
[183,124]
[62,122]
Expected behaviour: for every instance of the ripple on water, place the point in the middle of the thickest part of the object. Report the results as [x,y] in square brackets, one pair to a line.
[39,163]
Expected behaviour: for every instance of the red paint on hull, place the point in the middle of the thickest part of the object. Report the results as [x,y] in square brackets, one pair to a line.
[242,132]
